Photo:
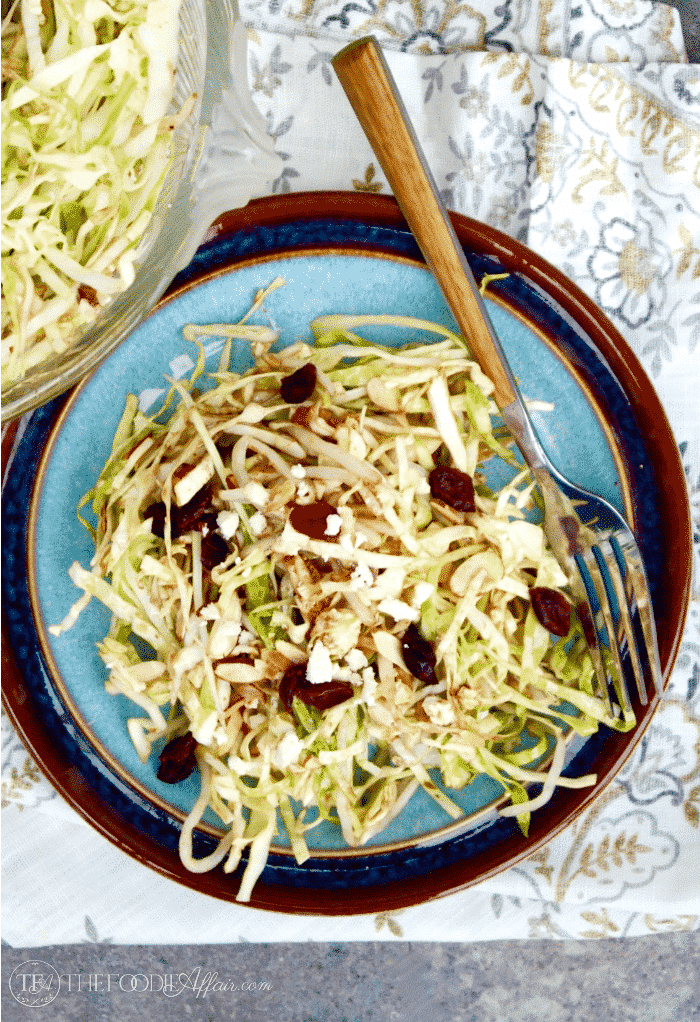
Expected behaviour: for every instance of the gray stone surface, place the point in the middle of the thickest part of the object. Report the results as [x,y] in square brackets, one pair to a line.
[647,979]
[689,11]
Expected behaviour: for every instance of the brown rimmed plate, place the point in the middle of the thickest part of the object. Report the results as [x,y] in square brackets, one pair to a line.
[340,252]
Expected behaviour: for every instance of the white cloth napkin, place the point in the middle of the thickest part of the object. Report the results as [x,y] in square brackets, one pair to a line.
[576,129]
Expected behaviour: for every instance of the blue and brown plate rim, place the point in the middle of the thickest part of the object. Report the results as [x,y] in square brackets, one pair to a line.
[659,506]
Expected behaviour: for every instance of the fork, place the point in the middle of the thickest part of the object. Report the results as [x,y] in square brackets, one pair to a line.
[589,538]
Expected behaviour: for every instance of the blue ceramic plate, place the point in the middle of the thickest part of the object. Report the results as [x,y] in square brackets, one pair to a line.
[330,263]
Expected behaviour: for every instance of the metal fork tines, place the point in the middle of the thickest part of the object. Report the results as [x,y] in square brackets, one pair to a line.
[609,585]
[613,569]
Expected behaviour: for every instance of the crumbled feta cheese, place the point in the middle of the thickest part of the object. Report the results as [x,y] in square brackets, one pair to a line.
[344,674]
[298,472]
[391,581]
[399,610]
[422,592]
[256,494]
[304,490]
[333,525]
[355,659]
[287,751]
[227,523]
[361,577]
[319,669]
[258,524]
[439,710]
[369,686]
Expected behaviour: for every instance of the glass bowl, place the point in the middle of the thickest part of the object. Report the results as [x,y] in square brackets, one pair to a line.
[222,158]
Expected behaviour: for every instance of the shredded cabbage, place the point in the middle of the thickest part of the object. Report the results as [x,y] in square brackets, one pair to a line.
[503,695]
[86,143]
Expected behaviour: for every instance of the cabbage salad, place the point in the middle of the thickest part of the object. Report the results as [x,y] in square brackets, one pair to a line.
[337,608]
[86,143]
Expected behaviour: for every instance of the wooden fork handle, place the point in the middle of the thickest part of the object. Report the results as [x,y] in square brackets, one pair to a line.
[369,86]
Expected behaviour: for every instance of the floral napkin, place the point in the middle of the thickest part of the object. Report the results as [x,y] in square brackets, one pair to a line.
[574,127]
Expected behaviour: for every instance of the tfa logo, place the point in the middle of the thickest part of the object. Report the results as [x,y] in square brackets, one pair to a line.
[34,983]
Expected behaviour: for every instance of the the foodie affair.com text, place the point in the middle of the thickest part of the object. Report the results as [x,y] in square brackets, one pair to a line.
[37,983]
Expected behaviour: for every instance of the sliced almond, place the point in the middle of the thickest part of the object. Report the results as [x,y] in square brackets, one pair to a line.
[389,646]
[185,488]
[384,398]
[238,674]
[293,654]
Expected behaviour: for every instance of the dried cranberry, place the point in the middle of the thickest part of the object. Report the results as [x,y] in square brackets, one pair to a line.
[177,760]
[419,655]
[311,519]
[195,514]
[552,609]
[88,294]
[453,487]
[326,694]
[184,519]
[208,522]
[157,513]
[571,529]
[214,550]
[214,546]
[292,678]
[299,386]
[587,624]
[321,696]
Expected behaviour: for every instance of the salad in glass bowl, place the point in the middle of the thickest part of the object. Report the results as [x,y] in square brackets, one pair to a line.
[107,114]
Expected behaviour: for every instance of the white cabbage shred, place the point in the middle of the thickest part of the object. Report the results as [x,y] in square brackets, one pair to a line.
[86,143]
[504,694]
